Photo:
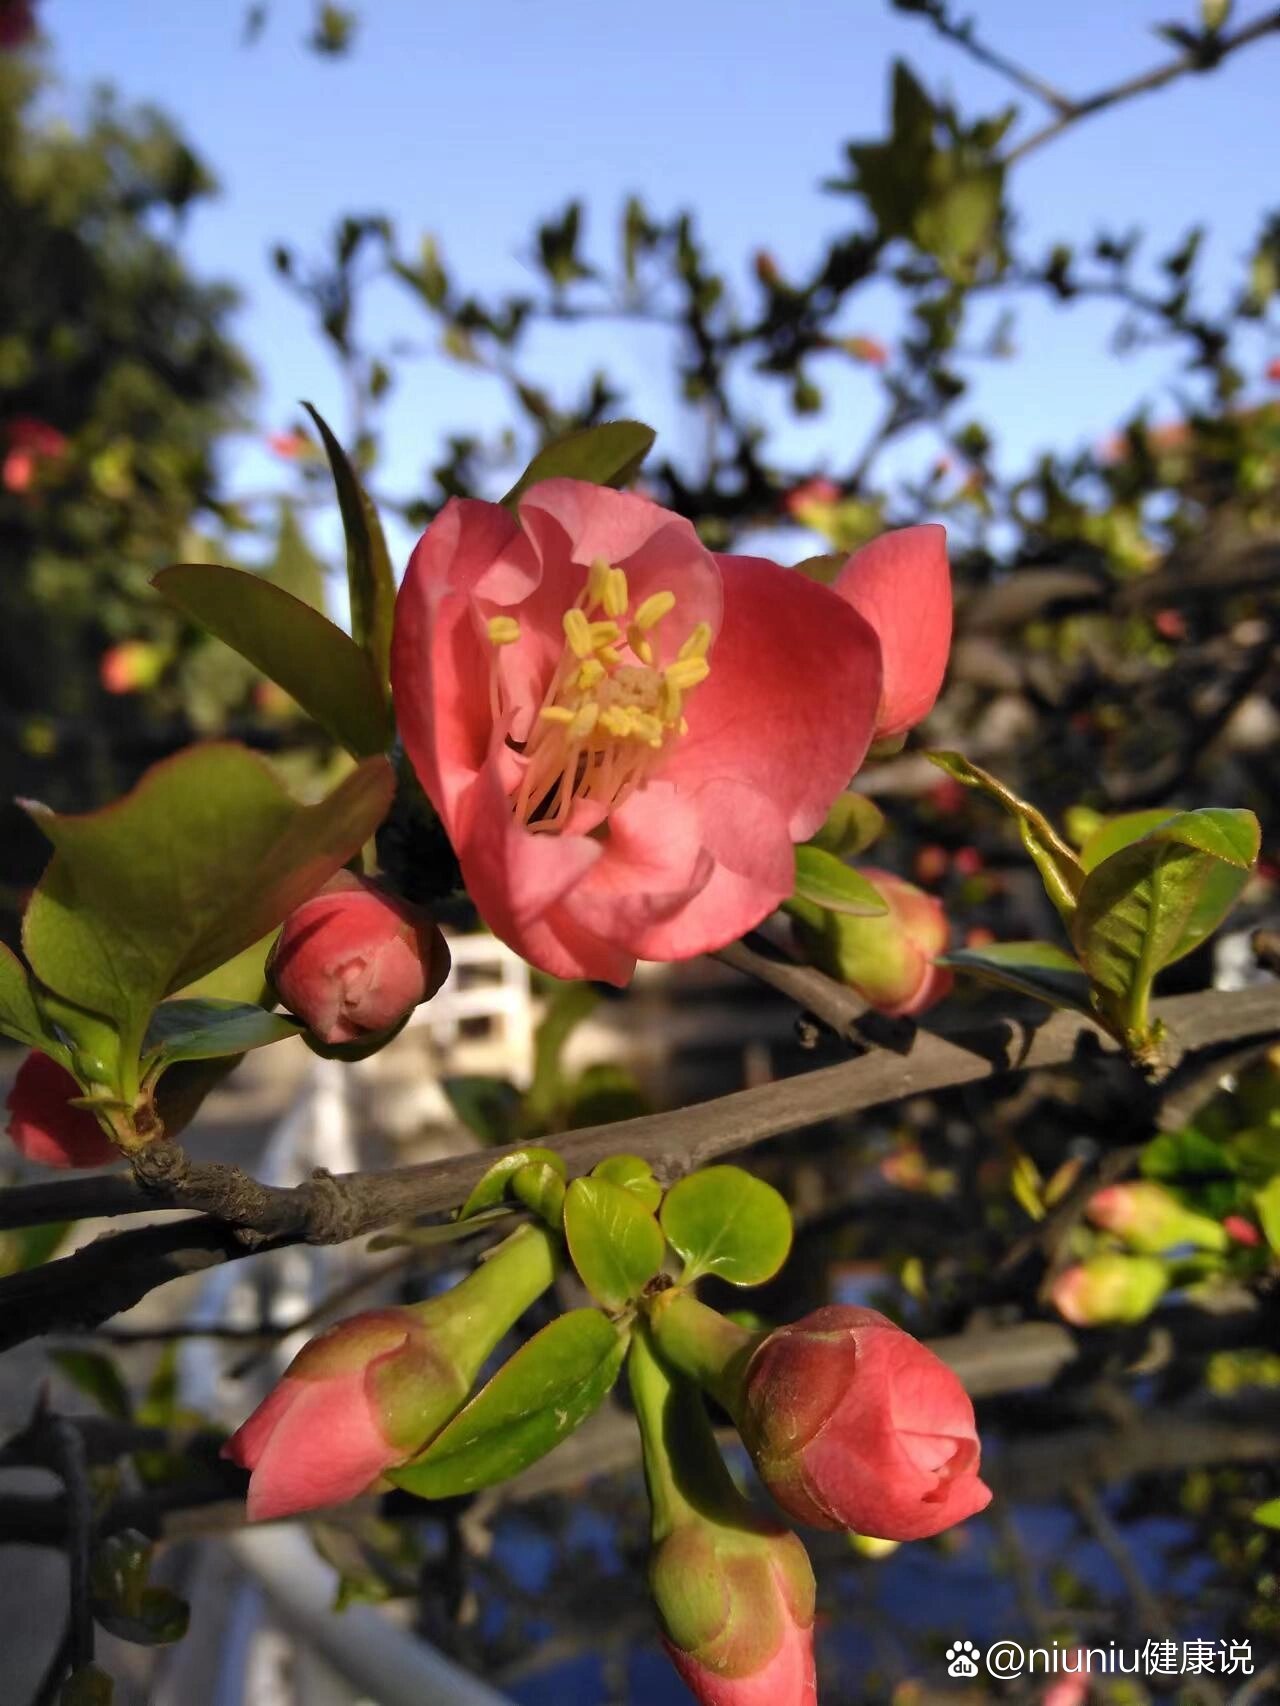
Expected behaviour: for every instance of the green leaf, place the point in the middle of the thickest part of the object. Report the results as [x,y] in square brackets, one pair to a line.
[630,1173]
[1117,832]
[98,1378]
[1059,869]
[1039,969]
[1267,1203]
[124,1602]
[549,1387]
[1155,900]
[493,1187]
[207,1029]
[540,1187]
[487,1106]
[29,1246]
[825,881]
[1268,1514]
[853,823]
[87,1686]
[570,1004]
[329,675]
[615,1242]
[602,1094]
[605,455]
[726,1222]
[19,1015]
[433,1237]
[370,578]
[1185,1154]
[205,856]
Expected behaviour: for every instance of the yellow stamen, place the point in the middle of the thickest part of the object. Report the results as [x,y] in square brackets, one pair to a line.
[688,672]
[616,596]
[698,643]
[556,714]
[597,579]
[591,673]
[577,630]
[503,630]
[654,608]
[639,645]
[584,720]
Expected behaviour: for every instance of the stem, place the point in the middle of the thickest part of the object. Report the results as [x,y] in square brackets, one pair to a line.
[73,1467]
[701,1343]
[683,1468]
[474,1317]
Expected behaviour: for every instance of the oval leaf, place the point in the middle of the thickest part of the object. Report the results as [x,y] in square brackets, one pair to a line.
[615,1242]
[825,881]
[1118,832]
[631,1173]
[726,1222]
[605,455]
[371,581]
[491,1189]
[202,858]
[1039,969]
[329,675]
[1157,899]
[19,1015]
[549,1387]
[207,1029]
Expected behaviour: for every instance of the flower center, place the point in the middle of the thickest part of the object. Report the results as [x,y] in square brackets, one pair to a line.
[611,707]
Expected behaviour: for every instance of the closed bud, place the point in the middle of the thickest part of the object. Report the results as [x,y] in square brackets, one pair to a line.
[1110,1290]
[373,1391]
[889,958]
[1150,1219]
[353,961]
[43,1124]
[851,1423]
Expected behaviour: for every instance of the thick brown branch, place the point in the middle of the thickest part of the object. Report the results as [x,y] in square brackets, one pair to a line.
[117,1271]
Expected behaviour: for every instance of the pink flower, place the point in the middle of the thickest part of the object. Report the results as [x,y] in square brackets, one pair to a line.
[353,960]
[1150,1218]
[1071,1689]
[740,1606]
[1273,370]
[901,584]
[355,1402]
[131,666]
[31,442]
[888,958]
[43,1124]
[1241,1231]
[818,493]
[852,1423]
[622,734]
[289,445]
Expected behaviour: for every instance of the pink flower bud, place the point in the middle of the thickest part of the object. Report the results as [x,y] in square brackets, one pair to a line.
[1110,1290]
[888,958]
[1241,1231]
[816,494]
[31,442]
[737,1605]
[354,960]
[852,1423]
[131,666]
[45,1127]
[357,1401]
[870,350]
[1150,1218]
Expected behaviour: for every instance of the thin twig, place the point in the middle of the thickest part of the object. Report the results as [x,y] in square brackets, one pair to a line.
[963,36]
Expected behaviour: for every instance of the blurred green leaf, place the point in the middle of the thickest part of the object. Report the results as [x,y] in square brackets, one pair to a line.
[330,676]
[87,1686]
[124,1601]
[28,1246]
[1267,1203]
[205,856]
[605,455]
[489,1107]
[725,1221]
[548,1388]
[94,1374]
[853,823]
[616,1244]
[568,1005]
[371,580]
[602,1094]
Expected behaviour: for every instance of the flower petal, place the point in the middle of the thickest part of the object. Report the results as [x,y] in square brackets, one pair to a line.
[653,865]
[791,700]
[901,583]
[326,1448]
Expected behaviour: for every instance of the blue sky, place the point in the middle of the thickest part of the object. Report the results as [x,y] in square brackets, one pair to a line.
[467,120]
